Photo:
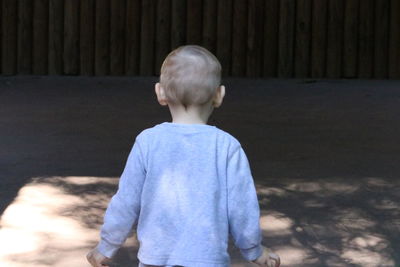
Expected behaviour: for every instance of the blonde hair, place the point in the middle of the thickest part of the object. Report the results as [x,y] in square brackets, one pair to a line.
[190,75]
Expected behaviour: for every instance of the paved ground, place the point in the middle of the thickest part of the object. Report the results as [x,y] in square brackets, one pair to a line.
[325,156]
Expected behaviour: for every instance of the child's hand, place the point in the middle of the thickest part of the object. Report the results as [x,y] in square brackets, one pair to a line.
[268,259]
[96,259]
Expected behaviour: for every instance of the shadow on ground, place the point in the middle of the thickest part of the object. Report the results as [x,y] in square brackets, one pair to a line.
[329,222]
[335,221]
[324,155]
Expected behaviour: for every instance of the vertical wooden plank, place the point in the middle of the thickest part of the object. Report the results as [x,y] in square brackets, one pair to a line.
[239,35]
[40,36]
[147,38]
[286,38]
[24,64]
[9,34]
[394,47]
[117,37]
[271,27]
[303,39]
[254,40]
[381,46]
[71,37]
[102,38]
[335,39]
[224,35]
[350,49]
[194,22]
[163,30]
[56,33]
[318,43]
[366,39]
[86,37]
[210,25]
[132,37]
[1,35]
[178,23]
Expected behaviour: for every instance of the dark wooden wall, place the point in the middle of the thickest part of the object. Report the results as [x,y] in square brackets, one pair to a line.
[254,38]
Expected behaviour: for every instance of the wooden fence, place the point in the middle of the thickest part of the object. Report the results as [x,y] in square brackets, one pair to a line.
[254,38]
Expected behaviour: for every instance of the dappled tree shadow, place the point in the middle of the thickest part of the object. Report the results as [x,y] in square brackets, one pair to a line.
[335,221]
[95,193]
[323,222]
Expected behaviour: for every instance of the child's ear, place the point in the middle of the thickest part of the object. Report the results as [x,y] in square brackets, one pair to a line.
[219,96]
[162,99]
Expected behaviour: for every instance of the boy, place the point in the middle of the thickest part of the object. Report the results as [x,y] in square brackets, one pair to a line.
[186,184]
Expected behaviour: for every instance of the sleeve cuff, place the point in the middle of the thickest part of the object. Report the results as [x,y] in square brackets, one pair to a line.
[252,254]
[107,249]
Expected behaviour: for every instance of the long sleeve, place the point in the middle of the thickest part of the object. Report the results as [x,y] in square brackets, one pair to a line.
[124,207]
[243,207]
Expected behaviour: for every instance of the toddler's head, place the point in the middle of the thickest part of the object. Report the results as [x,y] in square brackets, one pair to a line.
[190,76]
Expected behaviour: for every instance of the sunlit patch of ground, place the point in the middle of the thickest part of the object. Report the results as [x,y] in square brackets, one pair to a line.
[54,221]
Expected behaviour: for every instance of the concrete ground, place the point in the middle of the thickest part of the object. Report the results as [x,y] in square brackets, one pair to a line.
[324,154]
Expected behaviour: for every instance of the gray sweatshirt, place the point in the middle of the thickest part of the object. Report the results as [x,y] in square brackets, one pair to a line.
[187,187]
